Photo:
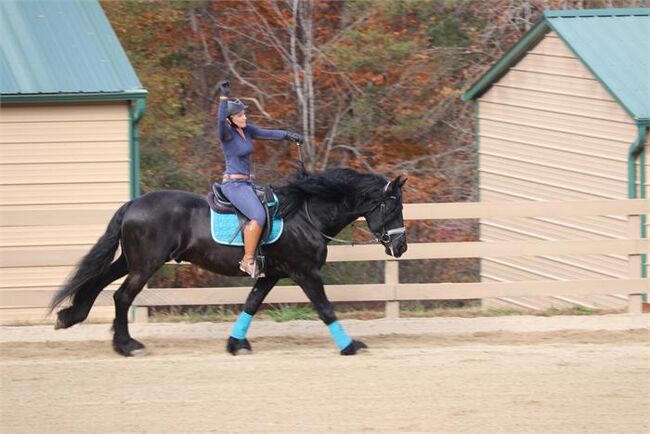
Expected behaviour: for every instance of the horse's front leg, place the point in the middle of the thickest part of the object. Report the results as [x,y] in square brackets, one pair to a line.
[237,342]
[312,285]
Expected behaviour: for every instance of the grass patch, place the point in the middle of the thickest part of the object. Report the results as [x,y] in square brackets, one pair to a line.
[194,314]
[576,310]
[462,312]
[287,312]
[504,311]
[359,311]
[277,313]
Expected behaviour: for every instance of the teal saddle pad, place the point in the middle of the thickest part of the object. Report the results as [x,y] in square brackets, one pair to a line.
[226,229]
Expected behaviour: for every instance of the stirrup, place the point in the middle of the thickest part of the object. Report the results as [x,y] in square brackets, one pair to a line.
[250,268]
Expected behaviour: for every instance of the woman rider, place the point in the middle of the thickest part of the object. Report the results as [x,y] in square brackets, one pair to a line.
[237,145]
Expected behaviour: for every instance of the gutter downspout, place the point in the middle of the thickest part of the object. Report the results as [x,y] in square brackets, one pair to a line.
[637,151]
[136,110]
[135,114]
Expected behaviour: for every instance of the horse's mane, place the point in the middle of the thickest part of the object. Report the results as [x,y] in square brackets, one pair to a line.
[334,185]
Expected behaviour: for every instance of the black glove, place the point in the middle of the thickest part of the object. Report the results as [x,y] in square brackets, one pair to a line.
[293,136]
[224,88]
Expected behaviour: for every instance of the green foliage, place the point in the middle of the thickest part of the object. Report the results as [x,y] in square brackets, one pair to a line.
[211,314]
[186,4]
[440,270]
[408,121]
[575,310]
[193,314]
[160,170]
[453,26]
[352,273]
[503,311]
[448,33]
[284,313]
[553,310]
[401,9]
[357,7]
[371,52]
[364,112]
[583,310]
[393,68]
[156,40]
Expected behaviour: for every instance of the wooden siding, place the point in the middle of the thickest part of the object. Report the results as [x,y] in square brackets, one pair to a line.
[64,170]
[548,131]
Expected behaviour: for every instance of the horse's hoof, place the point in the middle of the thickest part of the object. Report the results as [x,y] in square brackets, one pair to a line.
[132,348]
[62,320]
[353,348]
[138,353]
[238,347]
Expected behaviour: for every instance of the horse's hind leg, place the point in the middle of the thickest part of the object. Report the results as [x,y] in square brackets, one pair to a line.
[312,285]
[123,343]
[237,342]
[84,299]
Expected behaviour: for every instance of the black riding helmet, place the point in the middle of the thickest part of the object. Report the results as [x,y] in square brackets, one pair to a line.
[235,106]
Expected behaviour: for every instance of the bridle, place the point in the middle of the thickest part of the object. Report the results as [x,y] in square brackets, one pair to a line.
[384,237]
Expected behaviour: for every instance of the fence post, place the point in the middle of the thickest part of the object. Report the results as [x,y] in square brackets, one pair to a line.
[139,314]
[391,277]
[634,301]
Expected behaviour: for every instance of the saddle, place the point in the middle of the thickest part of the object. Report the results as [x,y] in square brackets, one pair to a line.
[228,221]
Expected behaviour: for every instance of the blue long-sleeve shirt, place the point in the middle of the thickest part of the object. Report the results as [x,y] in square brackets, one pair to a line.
[237,149]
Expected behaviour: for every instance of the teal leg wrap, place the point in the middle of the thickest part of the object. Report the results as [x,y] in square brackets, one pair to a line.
[341,338]
[240,327]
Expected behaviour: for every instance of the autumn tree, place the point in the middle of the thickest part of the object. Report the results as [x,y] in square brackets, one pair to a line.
[371,84]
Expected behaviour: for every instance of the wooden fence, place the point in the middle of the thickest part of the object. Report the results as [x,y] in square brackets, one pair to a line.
[392,291]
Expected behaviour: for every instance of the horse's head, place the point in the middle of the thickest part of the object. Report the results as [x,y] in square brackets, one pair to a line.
[385,218]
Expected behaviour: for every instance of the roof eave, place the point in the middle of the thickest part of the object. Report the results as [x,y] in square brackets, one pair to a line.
[512,56]
[73,97]
[615,12]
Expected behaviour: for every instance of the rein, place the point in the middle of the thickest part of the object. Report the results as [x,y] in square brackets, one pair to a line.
[338,240]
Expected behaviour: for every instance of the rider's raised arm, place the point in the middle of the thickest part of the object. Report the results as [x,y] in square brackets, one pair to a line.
[264,133]
[223,129]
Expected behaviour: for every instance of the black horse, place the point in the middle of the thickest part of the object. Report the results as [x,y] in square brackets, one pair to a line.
[175,225]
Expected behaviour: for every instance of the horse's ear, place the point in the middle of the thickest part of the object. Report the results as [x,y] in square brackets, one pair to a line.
[398,182]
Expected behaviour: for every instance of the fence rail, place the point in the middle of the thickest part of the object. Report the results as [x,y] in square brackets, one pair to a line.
[392,291]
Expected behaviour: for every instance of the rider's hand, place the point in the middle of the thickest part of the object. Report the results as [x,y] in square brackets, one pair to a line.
[224,88]
[294,137]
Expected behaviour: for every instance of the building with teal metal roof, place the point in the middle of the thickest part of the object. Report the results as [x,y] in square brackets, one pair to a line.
[70,103]
[614,45]
[66,51]
[55,50]
[564,115]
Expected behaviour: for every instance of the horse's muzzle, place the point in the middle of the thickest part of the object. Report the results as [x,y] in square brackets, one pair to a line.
[396,245]
[397,248]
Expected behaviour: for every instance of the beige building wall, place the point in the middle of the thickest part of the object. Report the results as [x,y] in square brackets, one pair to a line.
[64,171]
[548,130]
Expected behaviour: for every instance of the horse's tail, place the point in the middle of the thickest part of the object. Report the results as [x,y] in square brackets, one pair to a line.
[96,261]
